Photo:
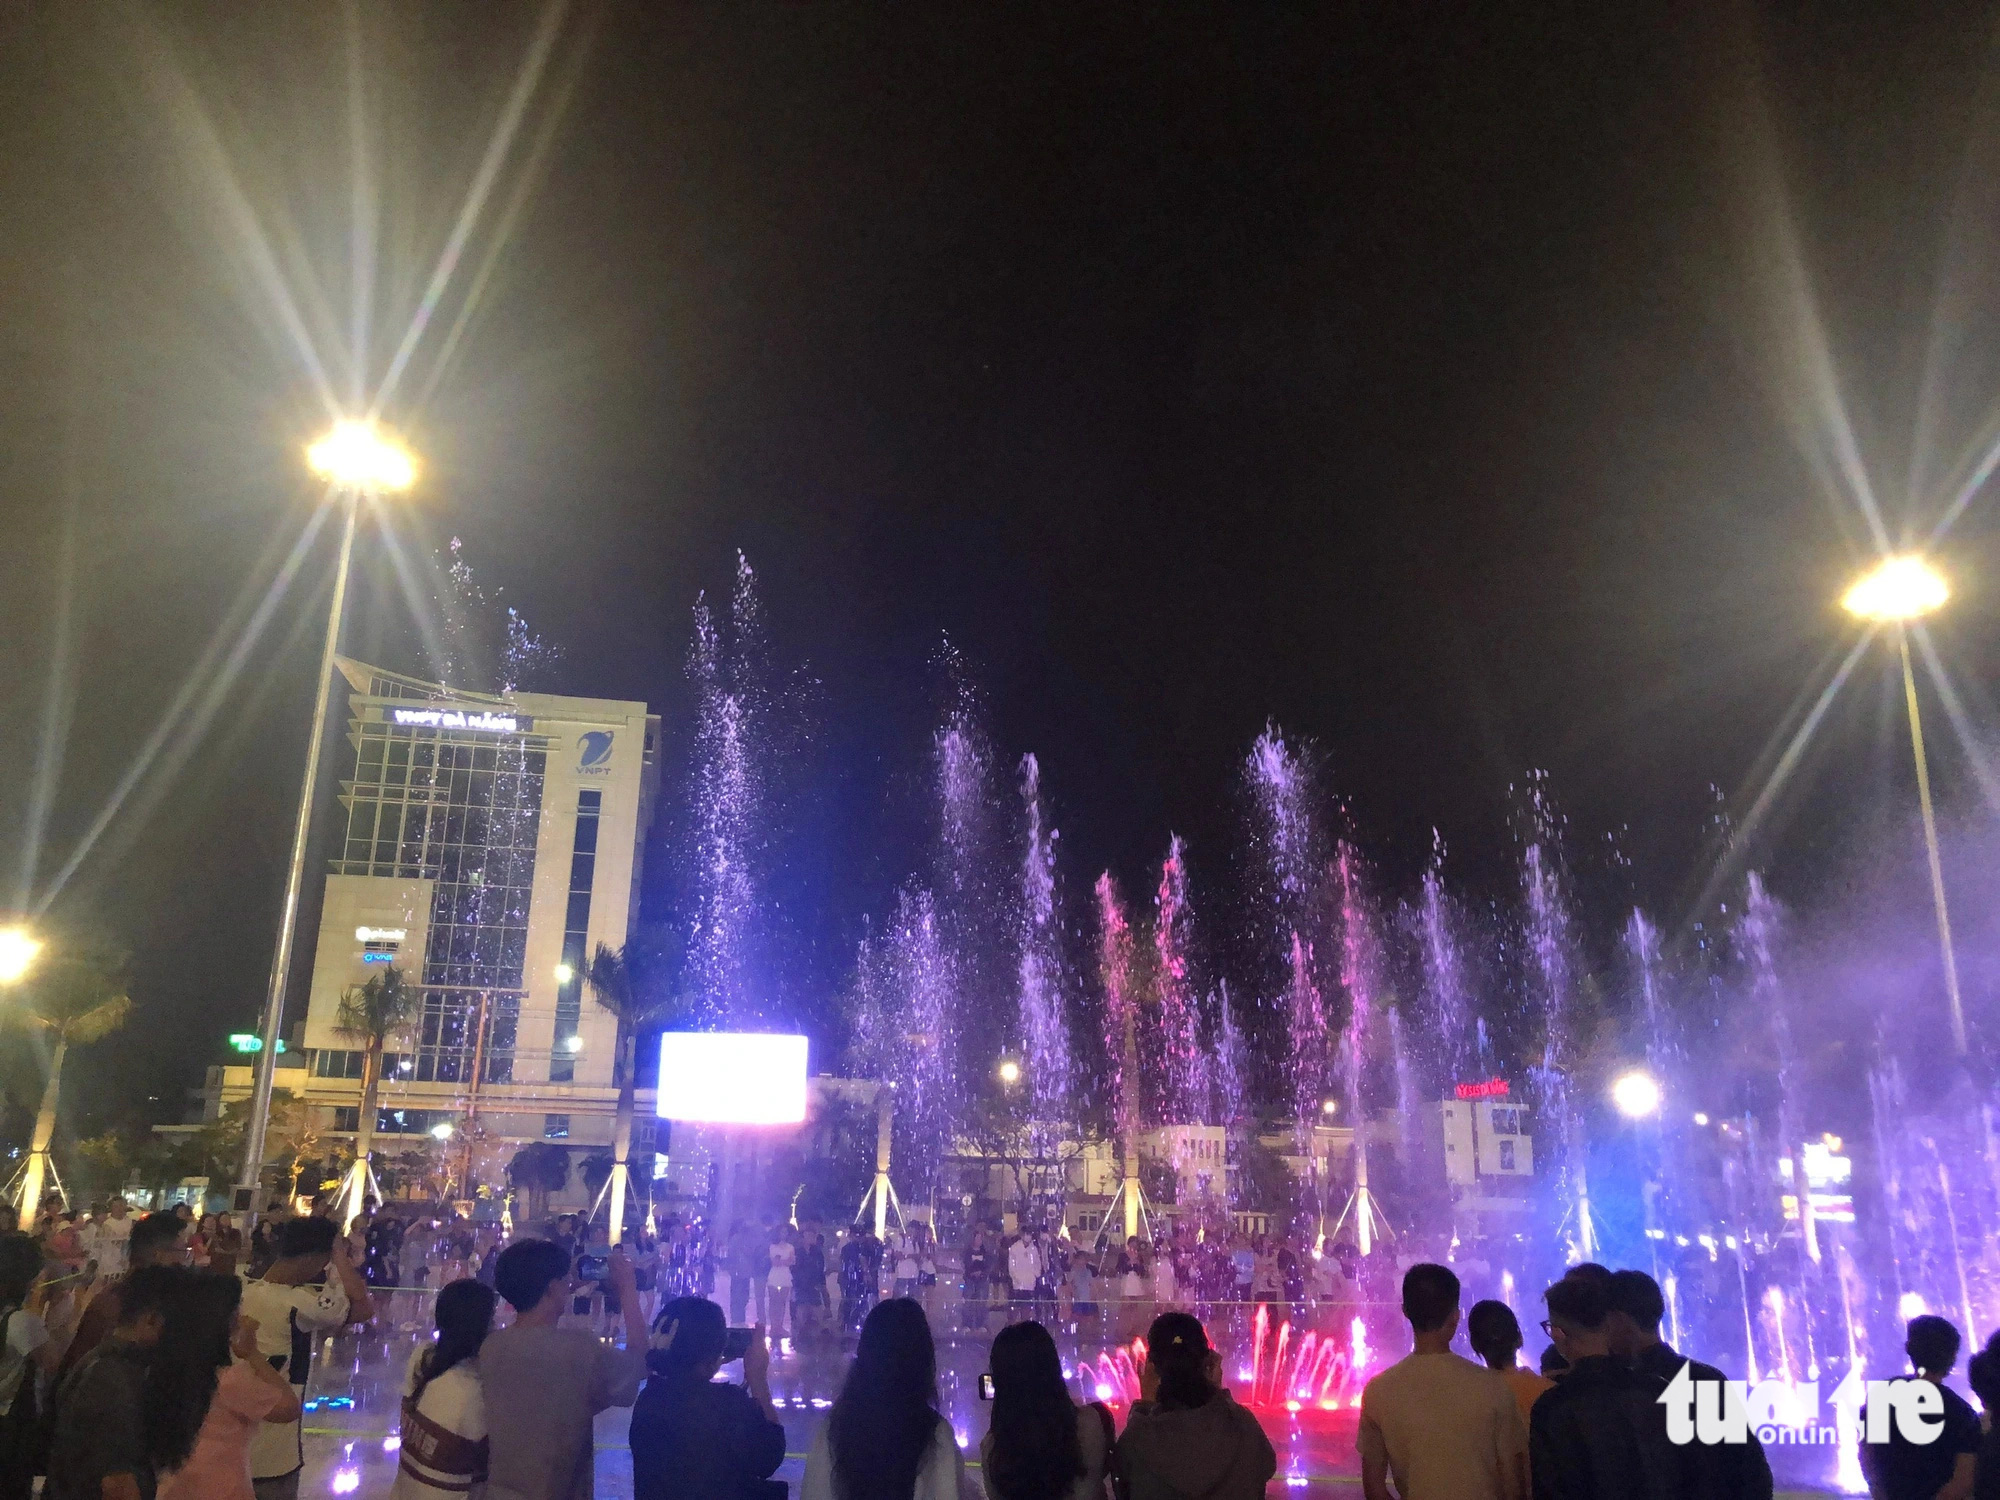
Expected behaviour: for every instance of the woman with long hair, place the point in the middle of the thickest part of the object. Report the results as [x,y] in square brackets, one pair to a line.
[1041,1445]
[1185,1436]
[208,1391]
[884,1439]
[444,1405]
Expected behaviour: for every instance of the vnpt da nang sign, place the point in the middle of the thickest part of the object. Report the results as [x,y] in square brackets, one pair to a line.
[458,718]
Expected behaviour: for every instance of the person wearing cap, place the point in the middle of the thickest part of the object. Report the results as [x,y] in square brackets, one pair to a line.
[691,1437]
[1186,1439]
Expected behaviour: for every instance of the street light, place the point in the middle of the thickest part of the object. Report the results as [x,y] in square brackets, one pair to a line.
[18,951]
[1637,1094]
[1897,591]
[355,458]
[1010,1072]
[442,1131]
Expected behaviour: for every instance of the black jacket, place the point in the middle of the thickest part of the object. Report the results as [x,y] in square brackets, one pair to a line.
[1719,1471]
[697,1441]
[1601,1434]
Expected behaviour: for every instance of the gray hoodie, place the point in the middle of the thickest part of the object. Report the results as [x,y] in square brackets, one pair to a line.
[1212,1452]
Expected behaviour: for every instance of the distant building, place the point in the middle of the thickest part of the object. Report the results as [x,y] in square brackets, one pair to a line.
[1481,1141]
[486,846]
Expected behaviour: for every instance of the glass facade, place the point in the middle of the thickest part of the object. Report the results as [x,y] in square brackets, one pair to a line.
[461,809]
[576,935]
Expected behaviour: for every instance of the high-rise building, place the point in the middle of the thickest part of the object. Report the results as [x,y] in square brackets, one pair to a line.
[485,846]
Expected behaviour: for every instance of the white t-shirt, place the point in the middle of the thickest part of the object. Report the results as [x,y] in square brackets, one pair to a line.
[26,1333]
[454,1401]
[1024,1265]
[287,1318]
[109,1243]
[782,1257]
[1448,1429]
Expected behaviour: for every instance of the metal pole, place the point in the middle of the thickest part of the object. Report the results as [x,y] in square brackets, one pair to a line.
[1931,844]
[281,960]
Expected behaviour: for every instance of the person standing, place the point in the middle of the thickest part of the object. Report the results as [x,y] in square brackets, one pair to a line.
[26,1354]
[1725,1471]
[692,1437]
[545,1384]
[444,1448]
[1495,1335]
[218,1391]
[1041,1445]
[109,1240]
[100,1448]
[809,1288]
[1024,1268]
[885,1435]
[1601,1434]
[156,1240]
[295,1299]
[1444,1427]
[782,1256]
[1945,1466]
[1185,1435]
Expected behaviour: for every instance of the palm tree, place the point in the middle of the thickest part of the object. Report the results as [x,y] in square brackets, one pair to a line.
[371,1013]
[74,998]
[539,1169]
[632,983]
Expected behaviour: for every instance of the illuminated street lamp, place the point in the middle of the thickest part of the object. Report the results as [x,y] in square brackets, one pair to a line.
[356,458]
[1897,591]
[1010,1072]
[1637,1094]
[18,951]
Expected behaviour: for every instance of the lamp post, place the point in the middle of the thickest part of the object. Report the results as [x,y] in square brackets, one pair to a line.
[355,458]
[1899,590]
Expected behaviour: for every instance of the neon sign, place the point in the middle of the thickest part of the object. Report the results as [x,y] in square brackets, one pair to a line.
[379,934]
[452,718]
[1492,1088]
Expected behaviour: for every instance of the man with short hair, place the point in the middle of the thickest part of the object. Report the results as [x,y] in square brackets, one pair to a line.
[98,1450]
[1725,1471]
[1443,1427]
[294,1300]
[156,1240]
[1601,1434]
[1944,1467]
[544,1384]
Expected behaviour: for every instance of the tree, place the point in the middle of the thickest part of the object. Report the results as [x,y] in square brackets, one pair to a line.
[539,1169]
[371,1013]
[73,998]
[633,983]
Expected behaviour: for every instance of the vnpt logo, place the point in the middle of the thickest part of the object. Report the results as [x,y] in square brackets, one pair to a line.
[593,750]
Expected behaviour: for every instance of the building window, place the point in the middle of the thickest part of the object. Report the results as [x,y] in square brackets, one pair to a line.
[576,934]
[1506,1156]
[347,1117]
[1506,1121]
[555,1127]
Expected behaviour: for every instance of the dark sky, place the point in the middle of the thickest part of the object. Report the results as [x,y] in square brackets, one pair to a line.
[1454,385]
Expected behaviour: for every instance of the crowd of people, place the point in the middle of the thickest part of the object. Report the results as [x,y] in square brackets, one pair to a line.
[167,1356]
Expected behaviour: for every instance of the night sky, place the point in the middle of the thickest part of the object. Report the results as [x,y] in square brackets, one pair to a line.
[1462,388]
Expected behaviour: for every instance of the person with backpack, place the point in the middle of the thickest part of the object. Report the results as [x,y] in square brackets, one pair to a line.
[25,1350]
[1040,1444]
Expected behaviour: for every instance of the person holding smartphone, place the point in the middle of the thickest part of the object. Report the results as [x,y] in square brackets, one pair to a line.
[694,1439]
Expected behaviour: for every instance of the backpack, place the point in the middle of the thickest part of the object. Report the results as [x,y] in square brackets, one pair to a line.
[24,1432]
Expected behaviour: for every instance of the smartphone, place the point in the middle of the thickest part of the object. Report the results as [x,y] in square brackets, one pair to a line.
[736,1343]
[592,1267]
[985,1387]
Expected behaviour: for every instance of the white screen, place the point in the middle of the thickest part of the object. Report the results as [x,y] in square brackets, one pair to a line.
[732,1078]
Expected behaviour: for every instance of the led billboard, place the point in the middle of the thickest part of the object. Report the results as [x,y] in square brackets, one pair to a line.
[732,1078]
